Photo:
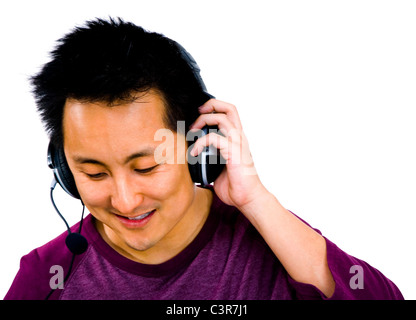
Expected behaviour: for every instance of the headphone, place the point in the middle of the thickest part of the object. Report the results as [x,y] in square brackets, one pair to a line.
[204,168]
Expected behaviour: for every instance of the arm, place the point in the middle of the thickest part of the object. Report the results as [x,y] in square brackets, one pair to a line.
[302,251]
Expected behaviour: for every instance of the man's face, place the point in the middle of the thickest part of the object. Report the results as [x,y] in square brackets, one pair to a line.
[110,151]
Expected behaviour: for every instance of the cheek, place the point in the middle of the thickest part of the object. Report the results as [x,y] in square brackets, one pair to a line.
[177,190]
[176,179]
[172,188]
[94,194]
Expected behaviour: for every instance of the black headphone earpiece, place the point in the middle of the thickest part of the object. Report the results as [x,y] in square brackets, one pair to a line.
[208,165]
[57,162]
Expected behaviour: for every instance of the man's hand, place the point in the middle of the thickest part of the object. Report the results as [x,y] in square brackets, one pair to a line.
[238,185]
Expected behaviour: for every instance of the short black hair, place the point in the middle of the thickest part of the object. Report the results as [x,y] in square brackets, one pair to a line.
[111,61]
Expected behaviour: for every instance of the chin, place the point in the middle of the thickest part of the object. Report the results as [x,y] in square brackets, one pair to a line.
[140,245]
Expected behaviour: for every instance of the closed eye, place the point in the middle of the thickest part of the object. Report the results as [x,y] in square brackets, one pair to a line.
[146,170]
[96,175]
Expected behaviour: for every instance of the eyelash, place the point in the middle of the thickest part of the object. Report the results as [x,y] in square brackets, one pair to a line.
[147,170]
[95,176]
[101,174]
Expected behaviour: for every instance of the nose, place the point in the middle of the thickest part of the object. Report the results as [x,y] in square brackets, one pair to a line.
[126,196]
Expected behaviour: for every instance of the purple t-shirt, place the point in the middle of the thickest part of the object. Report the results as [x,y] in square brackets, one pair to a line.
[227,260]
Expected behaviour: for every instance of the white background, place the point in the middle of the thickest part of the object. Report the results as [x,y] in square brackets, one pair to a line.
[325,91]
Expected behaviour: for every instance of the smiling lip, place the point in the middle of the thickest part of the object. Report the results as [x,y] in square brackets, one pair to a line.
[137,221]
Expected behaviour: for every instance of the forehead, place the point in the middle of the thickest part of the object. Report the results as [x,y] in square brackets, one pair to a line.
[89,123]
[145,108]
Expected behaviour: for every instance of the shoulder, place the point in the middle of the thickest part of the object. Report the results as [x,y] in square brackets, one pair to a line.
[32,279]
[32,282]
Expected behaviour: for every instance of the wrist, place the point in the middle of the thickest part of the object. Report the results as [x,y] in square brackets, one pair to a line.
[262,200]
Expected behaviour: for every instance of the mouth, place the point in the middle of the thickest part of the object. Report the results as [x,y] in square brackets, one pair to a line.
[141,217]
[136,221]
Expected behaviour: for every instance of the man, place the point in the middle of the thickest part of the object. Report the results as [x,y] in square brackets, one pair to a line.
[109,90]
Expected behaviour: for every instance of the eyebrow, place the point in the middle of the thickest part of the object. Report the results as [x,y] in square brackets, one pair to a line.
[143,153]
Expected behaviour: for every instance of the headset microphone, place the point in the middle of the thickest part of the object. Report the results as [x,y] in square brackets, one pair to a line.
[75,242]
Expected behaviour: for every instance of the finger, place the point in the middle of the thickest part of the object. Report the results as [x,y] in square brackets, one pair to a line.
[213,119]
[218,106]
[232,148]
[219,142]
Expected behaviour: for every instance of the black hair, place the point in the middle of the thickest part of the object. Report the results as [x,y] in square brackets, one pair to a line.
[112,61]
